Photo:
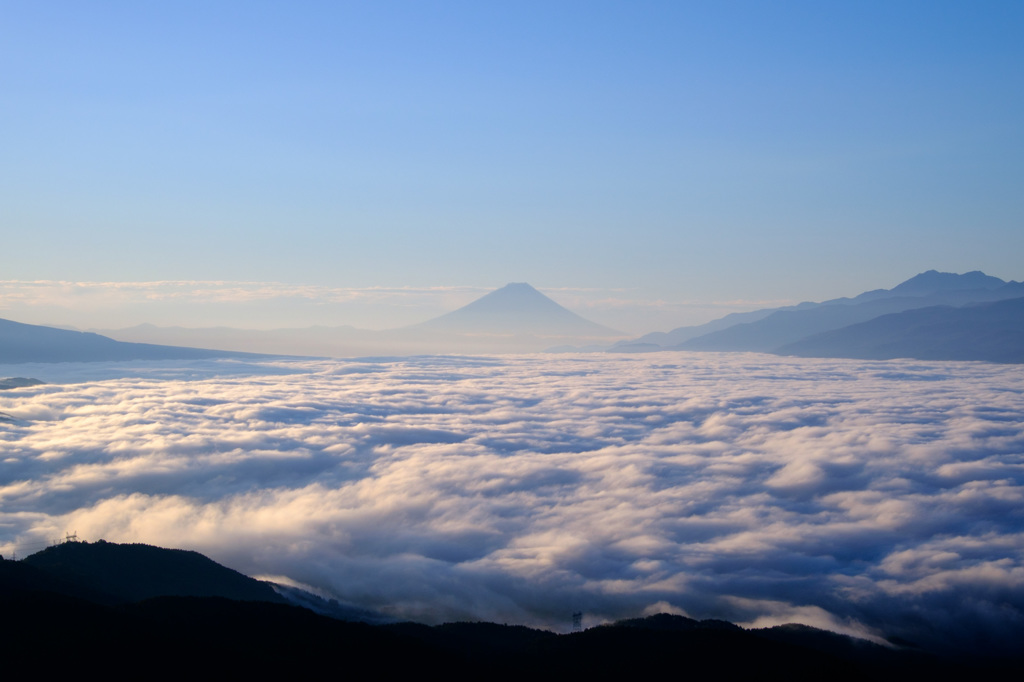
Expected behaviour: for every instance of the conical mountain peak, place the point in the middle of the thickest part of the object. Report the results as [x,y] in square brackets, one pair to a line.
[516,308]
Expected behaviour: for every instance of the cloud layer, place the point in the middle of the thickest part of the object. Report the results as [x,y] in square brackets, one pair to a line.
[877,498]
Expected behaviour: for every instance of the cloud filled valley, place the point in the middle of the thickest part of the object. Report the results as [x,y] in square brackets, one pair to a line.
[883,498]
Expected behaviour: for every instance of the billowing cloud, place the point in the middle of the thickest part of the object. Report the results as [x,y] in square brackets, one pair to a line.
[876,498]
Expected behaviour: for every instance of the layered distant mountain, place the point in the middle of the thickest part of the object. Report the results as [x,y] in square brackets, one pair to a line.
[980,331]
[826,329]
[314,341]
[514,319]
[517,318]
[34,343]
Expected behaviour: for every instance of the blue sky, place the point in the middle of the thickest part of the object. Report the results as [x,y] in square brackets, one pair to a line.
[686,157]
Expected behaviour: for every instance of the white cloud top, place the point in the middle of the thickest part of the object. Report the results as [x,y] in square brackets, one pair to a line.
[878,498]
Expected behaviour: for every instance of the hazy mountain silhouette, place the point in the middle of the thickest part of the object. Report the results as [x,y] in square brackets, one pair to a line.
[787,326]
[982,331]
[933,282]
[318,340]
[34,343]
[18,382]
[670,339]
[516,318]
[779,330]
[516,309]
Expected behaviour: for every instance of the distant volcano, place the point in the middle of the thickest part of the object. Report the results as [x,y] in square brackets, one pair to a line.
[516,309]
[514,319]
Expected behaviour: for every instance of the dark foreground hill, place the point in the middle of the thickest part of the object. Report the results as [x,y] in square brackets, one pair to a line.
[116,573]
[82,607]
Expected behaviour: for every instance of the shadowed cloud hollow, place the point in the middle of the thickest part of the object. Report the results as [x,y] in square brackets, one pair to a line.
[876,498]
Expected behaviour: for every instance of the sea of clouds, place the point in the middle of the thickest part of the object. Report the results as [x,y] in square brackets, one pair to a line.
[884,499]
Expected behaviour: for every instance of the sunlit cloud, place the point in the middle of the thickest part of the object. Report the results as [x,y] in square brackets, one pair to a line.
[877,498]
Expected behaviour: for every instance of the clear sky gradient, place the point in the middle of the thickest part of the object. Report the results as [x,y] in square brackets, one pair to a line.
[659,163]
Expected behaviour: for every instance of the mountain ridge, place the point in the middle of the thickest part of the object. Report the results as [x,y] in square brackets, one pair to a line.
[991,332]
[45,596]
[21,343]
[516,318]
[134,572]
[780,330]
